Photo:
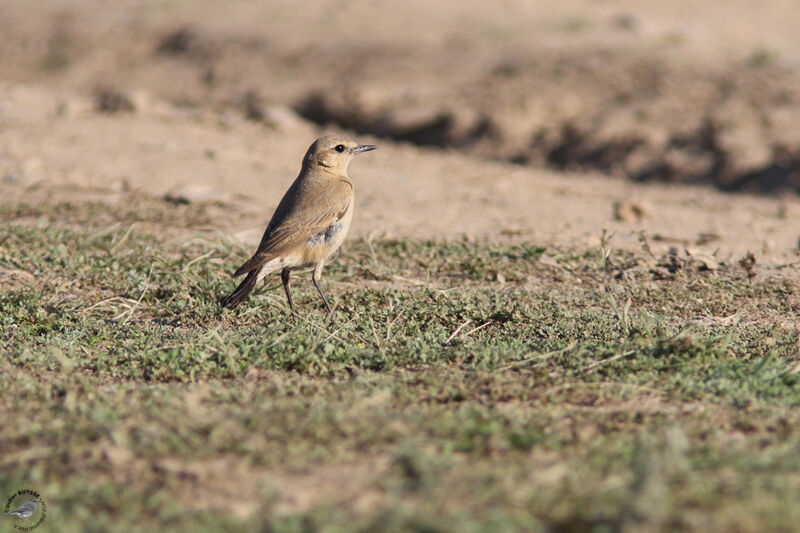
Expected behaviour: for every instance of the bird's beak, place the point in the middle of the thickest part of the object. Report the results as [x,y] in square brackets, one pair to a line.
[364,148]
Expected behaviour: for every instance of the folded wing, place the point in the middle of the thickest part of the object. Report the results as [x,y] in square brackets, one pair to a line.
[300,224]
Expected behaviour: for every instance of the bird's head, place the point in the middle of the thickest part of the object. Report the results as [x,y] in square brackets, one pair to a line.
[333,153]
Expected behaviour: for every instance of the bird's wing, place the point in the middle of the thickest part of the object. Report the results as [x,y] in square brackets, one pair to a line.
[311,217]
[29,505]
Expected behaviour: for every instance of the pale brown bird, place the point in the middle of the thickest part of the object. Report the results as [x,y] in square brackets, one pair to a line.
[311,221]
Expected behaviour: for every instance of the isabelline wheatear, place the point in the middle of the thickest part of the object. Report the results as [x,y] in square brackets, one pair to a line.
[310,222]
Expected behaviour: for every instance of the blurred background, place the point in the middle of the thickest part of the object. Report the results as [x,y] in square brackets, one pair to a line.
[677,91]
[224,95]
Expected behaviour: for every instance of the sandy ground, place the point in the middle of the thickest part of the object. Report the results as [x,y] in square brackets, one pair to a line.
[174,98]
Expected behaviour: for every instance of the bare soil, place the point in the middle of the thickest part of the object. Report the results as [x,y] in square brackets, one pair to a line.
[523,122]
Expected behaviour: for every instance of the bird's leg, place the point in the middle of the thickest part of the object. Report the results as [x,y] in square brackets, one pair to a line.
[315,277]
[285,273]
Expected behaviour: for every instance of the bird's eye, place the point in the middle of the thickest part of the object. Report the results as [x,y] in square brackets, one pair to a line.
[339,148]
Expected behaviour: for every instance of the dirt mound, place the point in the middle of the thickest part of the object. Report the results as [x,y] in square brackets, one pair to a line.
[628,117]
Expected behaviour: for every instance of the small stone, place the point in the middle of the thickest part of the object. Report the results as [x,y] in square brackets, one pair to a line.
[703,261]
[193,193]
[284,118]
[625,21]
[252,105]
[631,210]
[107,100]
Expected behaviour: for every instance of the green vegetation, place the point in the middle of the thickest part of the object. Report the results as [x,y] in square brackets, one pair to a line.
[464,386]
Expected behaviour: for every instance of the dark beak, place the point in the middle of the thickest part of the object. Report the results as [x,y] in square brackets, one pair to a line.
[364,148]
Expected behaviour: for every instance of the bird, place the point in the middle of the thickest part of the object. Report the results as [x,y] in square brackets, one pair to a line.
[310,222]
[26,509]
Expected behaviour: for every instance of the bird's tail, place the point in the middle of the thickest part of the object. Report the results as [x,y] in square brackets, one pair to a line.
[242,291]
